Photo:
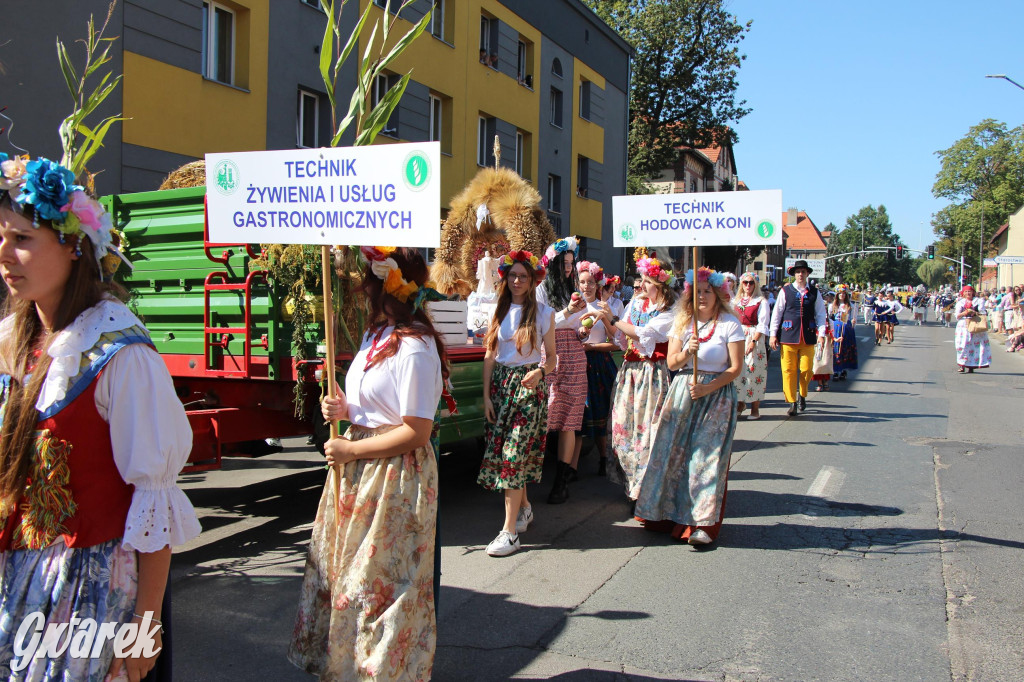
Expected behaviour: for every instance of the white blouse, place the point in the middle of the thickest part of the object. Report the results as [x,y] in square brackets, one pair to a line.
[713,354]
[562,321]
[961,304]
[407,384]
[762,313]
[507,354]
[598,334]
[655,331]
[149,432]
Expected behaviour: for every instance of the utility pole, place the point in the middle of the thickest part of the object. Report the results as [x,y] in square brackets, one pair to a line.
[981,241]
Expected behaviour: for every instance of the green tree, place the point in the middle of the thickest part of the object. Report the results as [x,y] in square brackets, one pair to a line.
[982,173]
[933,273]
[873,227]
[683,80]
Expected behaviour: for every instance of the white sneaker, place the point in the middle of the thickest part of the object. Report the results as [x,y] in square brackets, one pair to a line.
[699,537]
[504,544]
[524,519]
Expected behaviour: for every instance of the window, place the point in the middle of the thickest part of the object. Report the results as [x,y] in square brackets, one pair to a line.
[489,41]
[313,3]
[521,62]
[307,123]
[554,193]
[556,107]
[381,86]
[437,19]
[218,43]
[585,100]
[520,144]
[486,127]
[582,176]
[435,119]
[556,68]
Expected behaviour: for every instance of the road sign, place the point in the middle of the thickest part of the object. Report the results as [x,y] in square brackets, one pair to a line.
[817,266]
[989,263]
[1009,260]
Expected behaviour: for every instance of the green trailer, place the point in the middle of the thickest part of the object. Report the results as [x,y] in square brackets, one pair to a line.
[225,338]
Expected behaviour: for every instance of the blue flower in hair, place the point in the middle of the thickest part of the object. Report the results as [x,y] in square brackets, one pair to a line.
[48,186]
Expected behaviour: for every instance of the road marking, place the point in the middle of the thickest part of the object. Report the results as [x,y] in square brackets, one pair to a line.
[865,339]
[826,484]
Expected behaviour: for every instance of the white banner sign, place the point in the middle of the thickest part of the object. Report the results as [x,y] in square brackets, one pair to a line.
[383,195]
[698,219]
[1009,260]
[817,266]
[989,263]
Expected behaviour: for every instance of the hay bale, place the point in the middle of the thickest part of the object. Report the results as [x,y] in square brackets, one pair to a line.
[190,175]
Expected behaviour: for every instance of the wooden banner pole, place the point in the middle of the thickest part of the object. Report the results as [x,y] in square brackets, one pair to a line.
[332,381]
[696,261]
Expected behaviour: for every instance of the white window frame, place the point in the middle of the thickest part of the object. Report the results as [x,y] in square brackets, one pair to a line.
[521,61]
[481,141]
[556,96]
[381,85]
[436,119]
[519,154]
[552,196]
[209,14]
[437,19]
[299,121]
[485,34]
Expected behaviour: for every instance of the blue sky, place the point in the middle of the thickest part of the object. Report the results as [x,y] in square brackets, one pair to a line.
[851,100]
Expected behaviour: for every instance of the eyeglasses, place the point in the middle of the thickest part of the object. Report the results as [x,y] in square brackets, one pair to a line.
[518,278]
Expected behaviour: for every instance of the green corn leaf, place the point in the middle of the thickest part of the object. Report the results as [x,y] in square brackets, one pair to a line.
[406,40]
[67,68]
[353,39]
[327,53]
[378,118]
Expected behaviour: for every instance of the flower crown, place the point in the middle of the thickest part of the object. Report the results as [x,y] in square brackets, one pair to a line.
[612,281]
[561,246]
[712,277]
[50,190]
[385,268]
[595,270]
[652,268]
[751,275]
[506,262]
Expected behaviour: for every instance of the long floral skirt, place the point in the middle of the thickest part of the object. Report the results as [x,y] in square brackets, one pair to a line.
[366,608]
[844,348]
[601,371]
[98,582]
[972,350]
[515,442]
[752,381]
[688,469]
[640,390]
[568,383]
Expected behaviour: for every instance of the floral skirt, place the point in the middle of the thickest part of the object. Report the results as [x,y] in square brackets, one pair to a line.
[640,389]
[568,383]
[752,381]
[601,371]
[515,442]
[98,582]
[366,607]
[972,350]
[844,349]
[689,463]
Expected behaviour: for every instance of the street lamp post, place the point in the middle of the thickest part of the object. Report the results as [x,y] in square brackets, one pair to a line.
[1005,77]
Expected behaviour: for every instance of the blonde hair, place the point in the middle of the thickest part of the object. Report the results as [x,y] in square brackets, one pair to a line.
[684,318]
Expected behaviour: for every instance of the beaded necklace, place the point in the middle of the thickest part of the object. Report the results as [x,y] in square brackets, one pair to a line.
[703,339]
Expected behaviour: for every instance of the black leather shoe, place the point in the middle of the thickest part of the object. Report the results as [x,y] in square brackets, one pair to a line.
[792,410]
[803,403]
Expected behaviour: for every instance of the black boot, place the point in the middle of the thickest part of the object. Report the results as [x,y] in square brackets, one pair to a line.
[803,402]
[560,490]
[792,410]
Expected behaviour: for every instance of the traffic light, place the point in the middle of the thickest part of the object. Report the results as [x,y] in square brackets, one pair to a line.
[899,252]
[931,252]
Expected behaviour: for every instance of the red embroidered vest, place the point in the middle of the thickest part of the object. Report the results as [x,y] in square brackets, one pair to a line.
[748,315]
[74,489]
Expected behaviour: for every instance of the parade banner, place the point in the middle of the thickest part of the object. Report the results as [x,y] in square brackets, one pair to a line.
[382,195]
[698,219]
[817,266]
[1009,260]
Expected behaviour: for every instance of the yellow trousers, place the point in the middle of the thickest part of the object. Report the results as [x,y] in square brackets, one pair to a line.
[797,364]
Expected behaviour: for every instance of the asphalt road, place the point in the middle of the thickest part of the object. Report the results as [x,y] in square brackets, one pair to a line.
[878,536]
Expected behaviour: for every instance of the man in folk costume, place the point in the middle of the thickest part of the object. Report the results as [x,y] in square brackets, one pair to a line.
[798,323]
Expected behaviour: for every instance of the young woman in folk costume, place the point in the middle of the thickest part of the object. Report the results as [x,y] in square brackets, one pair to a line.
[599,341]
[520,353]
[93,433]
[684,489]
[753,313]
[366,607]
[972,349]
[643,379]
[843,314]
[824,379]
[568,383]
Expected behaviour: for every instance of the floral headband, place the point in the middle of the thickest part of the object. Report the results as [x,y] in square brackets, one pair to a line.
[750,276]
[384,267]
[561,246]
[612,281]
[712,277]
[595,270]
[652,268]
[50,190]
[506,262]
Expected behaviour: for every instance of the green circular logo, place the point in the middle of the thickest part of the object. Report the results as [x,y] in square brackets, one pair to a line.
[226,177]
[627,232]
[416,171]
[765,229]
